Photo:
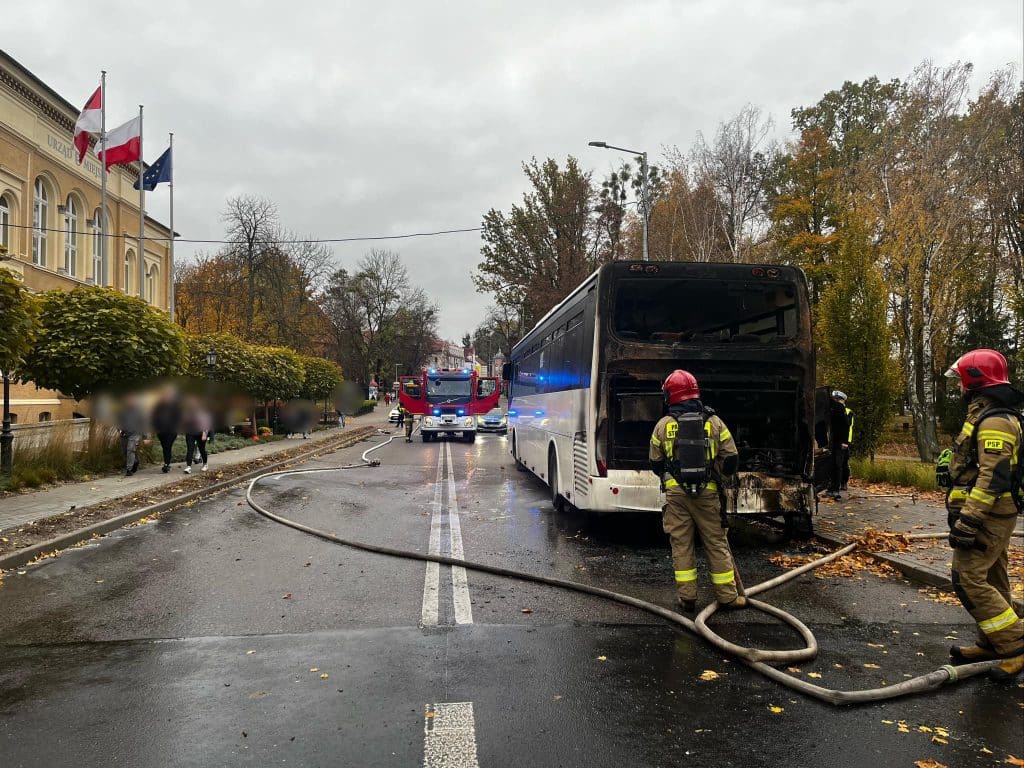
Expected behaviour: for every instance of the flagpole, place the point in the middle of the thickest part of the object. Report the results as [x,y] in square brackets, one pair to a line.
[170,158]
[142,218]
[101,279]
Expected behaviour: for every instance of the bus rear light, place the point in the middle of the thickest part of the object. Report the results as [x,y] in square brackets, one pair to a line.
[615,491]
[602,468]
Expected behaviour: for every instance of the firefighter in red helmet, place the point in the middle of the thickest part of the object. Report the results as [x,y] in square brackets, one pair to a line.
[692,452]
[983,498]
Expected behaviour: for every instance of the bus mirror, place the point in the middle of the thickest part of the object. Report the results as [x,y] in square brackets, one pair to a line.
[506,372]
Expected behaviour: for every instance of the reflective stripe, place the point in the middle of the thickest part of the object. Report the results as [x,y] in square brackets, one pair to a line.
[690,575]
[656,442]
[711,486]
[728,577]
[996,433]
[958,494]
[849,437]
[1005,619]
[671,483]
[967,428]
[724,435]
[982,497]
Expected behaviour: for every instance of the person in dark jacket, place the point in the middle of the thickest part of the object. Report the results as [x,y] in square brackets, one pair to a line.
[166,422]
[197,424]
[839,430]
[131,423]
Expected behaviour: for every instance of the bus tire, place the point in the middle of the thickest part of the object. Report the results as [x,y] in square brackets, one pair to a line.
[556,498]
[520,467]
[798,525]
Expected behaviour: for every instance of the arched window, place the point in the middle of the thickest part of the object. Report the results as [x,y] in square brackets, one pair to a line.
[129,270]
[40,221]
[70,236]
[5,222]
[45,416]
[151,278]
[99,272]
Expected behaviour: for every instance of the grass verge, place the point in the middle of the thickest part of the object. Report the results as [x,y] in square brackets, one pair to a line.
[907,474]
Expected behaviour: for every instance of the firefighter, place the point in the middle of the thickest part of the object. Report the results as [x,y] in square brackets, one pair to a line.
[695,508]
[844,476]
[984,501]
[839,434]
[408,421]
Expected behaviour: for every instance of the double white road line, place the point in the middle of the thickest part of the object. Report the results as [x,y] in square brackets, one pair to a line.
[462,609]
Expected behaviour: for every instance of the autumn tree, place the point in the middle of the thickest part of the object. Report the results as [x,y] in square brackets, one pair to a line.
[20,313]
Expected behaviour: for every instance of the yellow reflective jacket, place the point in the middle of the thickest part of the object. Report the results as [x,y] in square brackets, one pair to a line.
[982,478]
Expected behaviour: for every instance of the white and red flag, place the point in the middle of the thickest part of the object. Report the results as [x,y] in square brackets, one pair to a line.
[124,144]
[90,121]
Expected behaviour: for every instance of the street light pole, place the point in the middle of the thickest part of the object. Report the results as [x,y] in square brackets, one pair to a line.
[6,434]
[644,202]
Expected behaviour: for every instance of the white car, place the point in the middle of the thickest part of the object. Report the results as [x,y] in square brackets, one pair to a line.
[393,416]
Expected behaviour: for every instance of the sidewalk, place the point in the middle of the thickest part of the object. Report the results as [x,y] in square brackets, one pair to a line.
[20,509]
[840,522]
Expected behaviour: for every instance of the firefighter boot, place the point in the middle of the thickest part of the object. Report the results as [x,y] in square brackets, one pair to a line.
[687,606]
[982,650]
[1008,669]
[739,602]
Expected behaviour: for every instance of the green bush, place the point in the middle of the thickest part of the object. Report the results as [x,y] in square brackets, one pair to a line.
[908,474]
[366,407]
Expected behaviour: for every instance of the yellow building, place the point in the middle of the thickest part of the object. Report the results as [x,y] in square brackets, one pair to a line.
[50,214]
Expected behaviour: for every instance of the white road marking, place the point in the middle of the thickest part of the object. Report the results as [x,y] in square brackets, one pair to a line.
[431,582]
[460,581]
[449,736]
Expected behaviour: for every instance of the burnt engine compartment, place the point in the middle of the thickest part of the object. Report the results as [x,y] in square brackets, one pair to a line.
[763,409]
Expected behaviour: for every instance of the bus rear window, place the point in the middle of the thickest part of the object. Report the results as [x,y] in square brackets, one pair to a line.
[668,311]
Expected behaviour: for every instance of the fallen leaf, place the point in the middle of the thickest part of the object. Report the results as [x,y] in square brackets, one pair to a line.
[314,669]
[250,652]
[924,729]
[939,740]
[709,674]
[887,722]
[526,610]
[929,764]
[815,675]
[875,645]
[775,710]
[324,675]
[871,666]
[986,751]
[602,658]
[286,596]
[1011,760]
[793,670]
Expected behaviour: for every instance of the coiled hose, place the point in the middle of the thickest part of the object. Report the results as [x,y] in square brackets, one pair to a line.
[754,658]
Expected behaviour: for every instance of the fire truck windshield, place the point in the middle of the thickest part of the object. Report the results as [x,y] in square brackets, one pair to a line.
[444,391]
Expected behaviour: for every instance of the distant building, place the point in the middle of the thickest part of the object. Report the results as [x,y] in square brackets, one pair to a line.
[50,214]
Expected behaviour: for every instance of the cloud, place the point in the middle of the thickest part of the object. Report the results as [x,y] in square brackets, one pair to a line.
[390,117]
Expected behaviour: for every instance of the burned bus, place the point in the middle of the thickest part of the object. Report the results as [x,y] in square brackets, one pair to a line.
[585,383]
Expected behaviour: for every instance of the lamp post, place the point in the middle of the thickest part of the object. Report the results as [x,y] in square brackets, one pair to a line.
[644,206]
[6,434]
[211,363]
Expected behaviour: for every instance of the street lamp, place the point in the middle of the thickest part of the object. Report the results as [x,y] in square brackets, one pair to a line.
[644,206]
[6,434]
[211,362]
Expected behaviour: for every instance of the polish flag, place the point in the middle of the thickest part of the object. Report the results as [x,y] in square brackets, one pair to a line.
[90,121]
[123,144]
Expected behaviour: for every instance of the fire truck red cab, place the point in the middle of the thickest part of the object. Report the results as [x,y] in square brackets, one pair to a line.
[449,400]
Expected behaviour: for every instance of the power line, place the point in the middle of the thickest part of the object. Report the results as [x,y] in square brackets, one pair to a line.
[358,239]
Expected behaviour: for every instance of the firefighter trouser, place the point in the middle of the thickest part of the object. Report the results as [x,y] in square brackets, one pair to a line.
[408,427]
[981,581]
[683,518]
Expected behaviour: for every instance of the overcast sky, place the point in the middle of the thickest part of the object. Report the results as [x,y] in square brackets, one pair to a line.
[380,118]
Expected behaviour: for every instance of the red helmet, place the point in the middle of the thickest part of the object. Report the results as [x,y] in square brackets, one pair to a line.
[978,369]
[680,386]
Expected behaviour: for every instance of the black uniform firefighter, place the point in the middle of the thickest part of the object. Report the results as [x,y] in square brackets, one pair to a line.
[692,452]
[982,472]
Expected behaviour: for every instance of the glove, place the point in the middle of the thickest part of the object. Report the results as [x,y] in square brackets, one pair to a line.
[964,533]
[942,477]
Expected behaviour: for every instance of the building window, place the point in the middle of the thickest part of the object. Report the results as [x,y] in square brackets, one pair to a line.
[70,236]
[44,416]
[151,275]
[5,222]
[40,219]
[129,270]
[99,274]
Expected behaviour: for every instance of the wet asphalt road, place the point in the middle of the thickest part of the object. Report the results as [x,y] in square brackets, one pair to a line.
[216,637]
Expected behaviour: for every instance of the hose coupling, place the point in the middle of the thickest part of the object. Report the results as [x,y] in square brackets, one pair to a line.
[951,671]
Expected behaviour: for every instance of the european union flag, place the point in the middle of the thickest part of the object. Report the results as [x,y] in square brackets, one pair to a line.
[157,173]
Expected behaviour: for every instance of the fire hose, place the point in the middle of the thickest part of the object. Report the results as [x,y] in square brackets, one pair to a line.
[756,659]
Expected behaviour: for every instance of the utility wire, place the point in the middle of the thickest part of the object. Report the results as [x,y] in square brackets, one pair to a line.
[366,238]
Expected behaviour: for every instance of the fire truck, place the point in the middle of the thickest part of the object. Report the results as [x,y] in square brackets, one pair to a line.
[449,400]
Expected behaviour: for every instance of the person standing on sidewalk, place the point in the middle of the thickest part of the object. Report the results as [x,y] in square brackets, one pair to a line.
[844,475]
[197,423]
[839,434]
[166,422]
[341,417]
[692,468]
[131,422]
[985,499]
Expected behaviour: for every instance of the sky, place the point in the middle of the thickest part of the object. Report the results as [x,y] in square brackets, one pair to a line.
[386,117]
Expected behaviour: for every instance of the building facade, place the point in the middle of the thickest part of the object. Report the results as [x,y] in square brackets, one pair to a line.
[50,216]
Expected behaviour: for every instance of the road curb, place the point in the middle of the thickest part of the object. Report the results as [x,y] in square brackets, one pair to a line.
[27,554]
[929,577]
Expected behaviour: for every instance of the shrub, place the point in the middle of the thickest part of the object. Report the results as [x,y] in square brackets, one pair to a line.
[366,407]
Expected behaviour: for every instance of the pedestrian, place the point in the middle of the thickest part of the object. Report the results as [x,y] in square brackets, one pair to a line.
[131,423]
[196,423]
[692,452]
[166,423]
[341,417]
[839,431]
[984,499]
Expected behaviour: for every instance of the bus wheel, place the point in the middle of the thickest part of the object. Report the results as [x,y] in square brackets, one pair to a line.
[556,498]
[515,455]
[798,525]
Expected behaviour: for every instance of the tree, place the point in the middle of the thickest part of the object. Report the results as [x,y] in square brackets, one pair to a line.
[321,380]
[280,375]
[236,362]
[95,339]
[543,248]
[855,337]
[252,226]
[20,313]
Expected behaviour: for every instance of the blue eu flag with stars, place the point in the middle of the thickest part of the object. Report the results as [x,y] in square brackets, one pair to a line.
[157,173]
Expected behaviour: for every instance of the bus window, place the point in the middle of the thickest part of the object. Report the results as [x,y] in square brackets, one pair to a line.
[700,310]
